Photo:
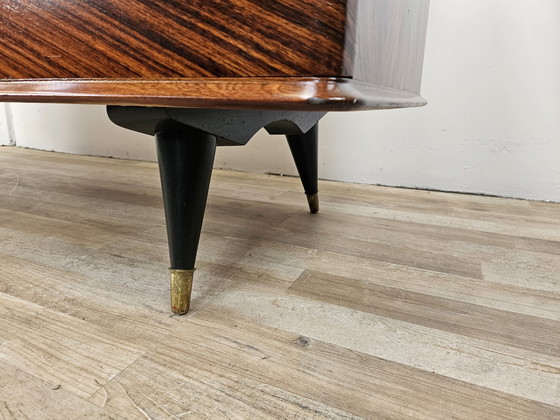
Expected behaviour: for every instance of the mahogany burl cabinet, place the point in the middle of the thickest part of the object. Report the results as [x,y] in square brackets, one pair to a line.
[197,74]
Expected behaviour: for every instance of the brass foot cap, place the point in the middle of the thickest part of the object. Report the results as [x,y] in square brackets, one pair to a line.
[181,288]
[313,200]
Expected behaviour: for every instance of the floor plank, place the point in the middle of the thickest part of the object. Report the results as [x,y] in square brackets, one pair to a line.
[63,350]
[23,396]
[512,329]
[536,295]
[259,370]
[507,369]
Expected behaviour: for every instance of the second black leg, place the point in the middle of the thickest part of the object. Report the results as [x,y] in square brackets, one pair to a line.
[304,148]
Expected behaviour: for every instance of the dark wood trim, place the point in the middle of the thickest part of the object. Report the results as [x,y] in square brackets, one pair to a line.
[298,94]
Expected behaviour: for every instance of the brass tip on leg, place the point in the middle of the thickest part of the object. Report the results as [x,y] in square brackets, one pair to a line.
[181,288]
[313,200]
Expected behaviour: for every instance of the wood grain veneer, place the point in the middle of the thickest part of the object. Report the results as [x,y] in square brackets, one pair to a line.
[297,54]
[173,38]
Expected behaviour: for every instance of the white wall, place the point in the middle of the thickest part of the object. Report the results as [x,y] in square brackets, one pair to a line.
[80,129]
[491,75]
[6,132]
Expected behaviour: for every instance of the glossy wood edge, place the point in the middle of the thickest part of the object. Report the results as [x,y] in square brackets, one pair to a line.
[300,94]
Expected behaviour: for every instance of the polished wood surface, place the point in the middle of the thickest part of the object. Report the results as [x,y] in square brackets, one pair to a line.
[391,303]
[173,38]
[304,94]
[282,54]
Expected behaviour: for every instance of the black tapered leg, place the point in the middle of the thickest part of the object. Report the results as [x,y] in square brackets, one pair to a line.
[185,157]
[304,149]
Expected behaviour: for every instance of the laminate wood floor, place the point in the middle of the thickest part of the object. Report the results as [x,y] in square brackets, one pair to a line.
[389,303]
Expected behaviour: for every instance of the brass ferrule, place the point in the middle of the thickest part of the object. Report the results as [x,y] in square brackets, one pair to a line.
[313,200]
[181,288]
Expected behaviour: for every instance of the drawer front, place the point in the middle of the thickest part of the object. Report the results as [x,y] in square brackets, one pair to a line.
[175,38]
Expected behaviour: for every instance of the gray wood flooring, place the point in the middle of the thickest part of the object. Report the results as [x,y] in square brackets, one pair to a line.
[389,303]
